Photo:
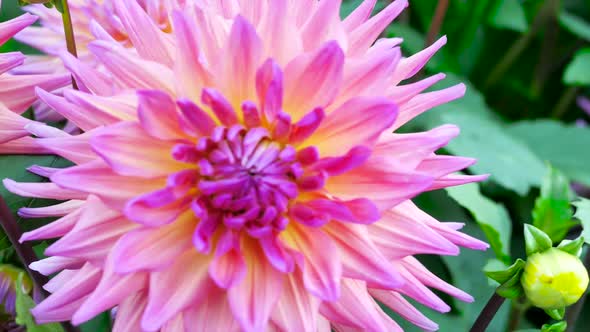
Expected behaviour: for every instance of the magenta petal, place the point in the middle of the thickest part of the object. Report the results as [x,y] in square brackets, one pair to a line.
[221,107]
[228,267]
[276,253]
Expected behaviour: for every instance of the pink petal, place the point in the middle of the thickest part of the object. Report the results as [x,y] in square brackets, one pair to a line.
[74,148]
[129,313]
[191,73]
[60,305]
[402,307]
[361,259]
[244,48]
[399,236]
[359,15]
[9,28]
[153,248]
[58,210]
[17,92]
[173,289]
[72,112]
[117,145]
[318,259]
[359,121]
[269,86]
[41,190]
[355,307]
[296,310]
[147,38]
[158,115]
[112,290]
[131,71]
[429,279]
[54,229]
[385,188]
[364,36]
[50,265]
[97,178]
[87,76]
[408,67]
[313,80]
[214,310]
[253,300]
[318,27]
[228,267]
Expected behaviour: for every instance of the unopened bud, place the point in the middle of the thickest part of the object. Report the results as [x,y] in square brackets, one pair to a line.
[554,279]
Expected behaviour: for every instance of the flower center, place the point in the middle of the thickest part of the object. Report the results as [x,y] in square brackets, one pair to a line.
[246,180]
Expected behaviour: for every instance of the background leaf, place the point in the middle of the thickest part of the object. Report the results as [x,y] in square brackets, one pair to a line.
[492,217]
[575,25]
[564,146]
[508,14]
[577,71]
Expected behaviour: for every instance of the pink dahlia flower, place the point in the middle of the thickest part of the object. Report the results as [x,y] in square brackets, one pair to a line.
[89,17]
[17,92]
[241,173]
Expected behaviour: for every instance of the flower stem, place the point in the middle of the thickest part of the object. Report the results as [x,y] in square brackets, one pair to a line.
[545,13]
[437,21]
[565,102]
[25,253]
[69,33]
[488,313]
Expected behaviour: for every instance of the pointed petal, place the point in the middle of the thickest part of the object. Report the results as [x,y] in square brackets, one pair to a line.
[173,289]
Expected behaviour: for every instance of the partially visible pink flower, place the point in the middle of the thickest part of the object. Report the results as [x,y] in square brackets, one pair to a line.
[241,174]
[90,19]
[17,92]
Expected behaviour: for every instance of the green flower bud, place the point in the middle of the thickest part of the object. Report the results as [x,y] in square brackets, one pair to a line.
[554,279]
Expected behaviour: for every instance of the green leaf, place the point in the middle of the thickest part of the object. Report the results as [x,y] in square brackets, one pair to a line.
[561,145]
[508,14]
[511,289]
[510,162]
[583,214]
[552,212]
[502,276]
[576,72]
[24,303]
[492,217]
[100,323]
[535,240]
[348,7]
[575,25]
[556,314]
[556,327]
[572,247]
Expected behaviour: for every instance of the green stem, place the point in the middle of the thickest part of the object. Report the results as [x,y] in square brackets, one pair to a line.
[69,33]
[545,13]
[565,101]
[546,59]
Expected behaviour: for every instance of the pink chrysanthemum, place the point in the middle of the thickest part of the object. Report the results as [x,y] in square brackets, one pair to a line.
[17,92]
[240,173]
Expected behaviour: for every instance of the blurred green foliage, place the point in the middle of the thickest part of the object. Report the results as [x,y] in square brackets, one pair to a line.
[524,63]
